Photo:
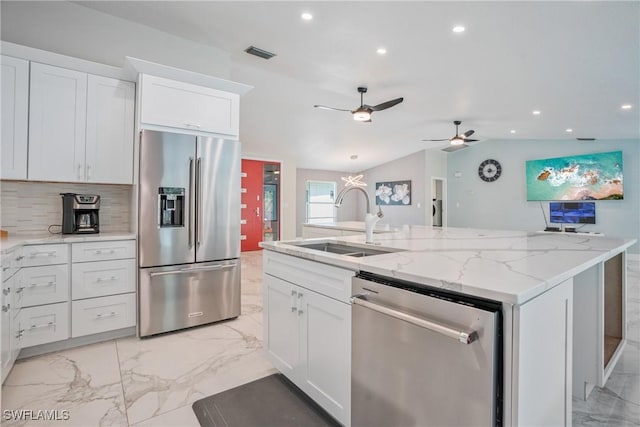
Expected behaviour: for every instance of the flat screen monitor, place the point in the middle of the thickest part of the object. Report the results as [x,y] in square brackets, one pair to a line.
[572,212]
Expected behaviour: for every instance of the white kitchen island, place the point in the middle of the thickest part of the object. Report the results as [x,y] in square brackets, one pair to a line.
[559,339]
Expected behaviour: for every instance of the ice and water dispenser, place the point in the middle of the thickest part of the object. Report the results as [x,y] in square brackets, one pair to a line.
[171,207]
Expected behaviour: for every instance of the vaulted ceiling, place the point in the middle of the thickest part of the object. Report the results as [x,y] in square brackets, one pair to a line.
[575,62]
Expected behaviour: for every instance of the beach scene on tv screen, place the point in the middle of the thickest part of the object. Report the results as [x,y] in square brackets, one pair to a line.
[595,176]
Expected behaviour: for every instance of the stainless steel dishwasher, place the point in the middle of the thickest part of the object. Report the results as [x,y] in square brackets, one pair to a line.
[423,356]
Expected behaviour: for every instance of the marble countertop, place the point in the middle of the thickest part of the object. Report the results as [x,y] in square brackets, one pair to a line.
[14,242]
[354,226]
[508,266]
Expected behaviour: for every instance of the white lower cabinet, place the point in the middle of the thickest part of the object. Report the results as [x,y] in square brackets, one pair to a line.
[95,315]
[308,334]
[103,290]
[96,279]
[48,297]
[43,285]
[43,324]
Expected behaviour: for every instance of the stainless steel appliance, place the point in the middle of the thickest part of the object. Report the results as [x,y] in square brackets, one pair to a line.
[437,213]
[189,231]
[80,213]
[423,356]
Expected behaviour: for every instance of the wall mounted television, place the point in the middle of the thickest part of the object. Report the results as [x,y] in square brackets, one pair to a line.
[595,176]
[572,212]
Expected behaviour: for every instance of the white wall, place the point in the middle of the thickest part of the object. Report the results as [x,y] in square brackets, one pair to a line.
[348,210]
[503,204]
[74,30]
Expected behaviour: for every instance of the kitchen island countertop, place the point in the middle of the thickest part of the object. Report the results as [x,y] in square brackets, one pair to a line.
[508,266]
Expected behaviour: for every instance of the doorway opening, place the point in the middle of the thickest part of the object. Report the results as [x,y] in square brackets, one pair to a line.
[260,220]
[438,199]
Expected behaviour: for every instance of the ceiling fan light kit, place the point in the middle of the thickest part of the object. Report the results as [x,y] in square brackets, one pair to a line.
[458,141]
[361,115]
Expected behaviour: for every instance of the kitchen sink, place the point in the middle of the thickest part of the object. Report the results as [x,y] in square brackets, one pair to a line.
[341,249]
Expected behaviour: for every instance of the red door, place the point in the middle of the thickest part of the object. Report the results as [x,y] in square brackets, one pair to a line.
[251,213]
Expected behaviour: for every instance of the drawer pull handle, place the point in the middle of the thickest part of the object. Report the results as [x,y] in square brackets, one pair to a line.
[108,279]
[20,289]
[19,258]
[192,125]
[46,325]
[6,308]
[44,254]
[20,333]
[5,268]
[101,251]
[6,291]
[42,285]
[102,316]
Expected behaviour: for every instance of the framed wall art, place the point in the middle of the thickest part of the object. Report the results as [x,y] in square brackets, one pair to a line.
[596,176]
[393,193]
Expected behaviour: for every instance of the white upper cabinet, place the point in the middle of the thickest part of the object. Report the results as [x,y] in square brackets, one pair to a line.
[80,127]
[170,103]
[57,124]
[15,116]
[110,127]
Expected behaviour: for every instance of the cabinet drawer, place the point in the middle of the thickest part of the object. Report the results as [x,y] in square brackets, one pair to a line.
[43,324]
[331,281]
[97,279]
[91,316]
[42,285]
[182,105]
[35,255]
[103,251]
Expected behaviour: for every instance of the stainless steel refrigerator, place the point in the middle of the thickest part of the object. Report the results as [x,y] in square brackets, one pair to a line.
[188,231]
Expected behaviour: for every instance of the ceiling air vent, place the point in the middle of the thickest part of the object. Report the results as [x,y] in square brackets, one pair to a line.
[252,50]
[586,139]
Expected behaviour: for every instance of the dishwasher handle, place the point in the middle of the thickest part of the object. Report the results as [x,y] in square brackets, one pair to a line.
[464,337]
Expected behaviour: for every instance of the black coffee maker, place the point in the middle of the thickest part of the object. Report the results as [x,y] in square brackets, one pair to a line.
[80,213]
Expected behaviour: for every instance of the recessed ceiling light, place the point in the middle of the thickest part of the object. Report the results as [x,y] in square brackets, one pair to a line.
[307,16]
[381,51]
[569,130]
[626,107]
[512,131]
[354,157]
[536,112]
[458,29]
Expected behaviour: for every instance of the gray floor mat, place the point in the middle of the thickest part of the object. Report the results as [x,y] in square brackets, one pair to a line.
[271,401]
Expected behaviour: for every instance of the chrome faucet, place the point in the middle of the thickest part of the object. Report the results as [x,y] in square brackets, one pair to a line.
[369,219]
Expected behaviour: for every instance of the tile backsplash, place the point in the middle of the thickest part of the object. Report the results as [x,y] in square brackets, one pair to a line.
[31,207]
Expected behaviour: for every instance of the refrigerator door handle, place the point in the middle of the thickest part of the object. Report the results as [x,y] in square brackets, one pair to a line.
[193,270]
[191,207]
[199,202]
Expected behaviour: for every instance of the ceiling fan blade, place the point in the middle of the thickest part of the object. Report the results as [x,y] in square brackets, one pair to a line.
[435,140]
[470,140]
[469,133]
[324,107]
[387,104]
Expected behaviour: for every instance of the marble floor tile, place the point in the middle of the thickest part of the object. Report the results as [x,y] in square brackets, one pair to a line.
[181,417]
[85,381]
[163,373]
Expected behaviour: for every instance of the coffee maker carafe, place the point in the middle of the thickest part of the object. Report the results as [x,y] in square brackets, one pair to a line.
[80,213]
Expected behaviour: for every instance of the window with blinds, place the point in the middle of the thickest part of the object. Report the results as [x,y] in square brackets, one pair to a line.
[320,198]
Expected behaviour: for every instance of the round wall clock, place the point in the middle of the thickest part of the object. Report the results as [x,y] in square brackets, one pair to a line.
[489,170]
